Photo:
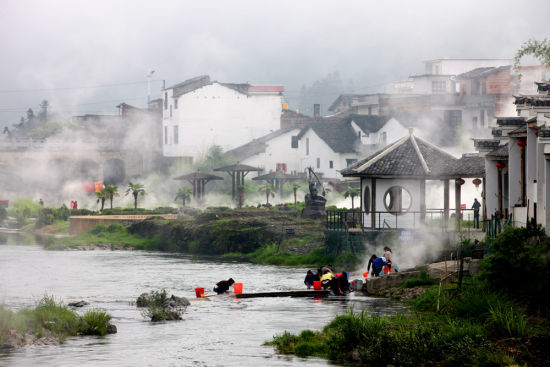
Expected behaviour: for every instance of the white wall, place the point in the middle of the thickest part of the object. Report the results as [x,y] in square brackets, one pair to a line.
[514,169]
[405,220]
[278,150]
[319,149]
[215,114]
[491,185]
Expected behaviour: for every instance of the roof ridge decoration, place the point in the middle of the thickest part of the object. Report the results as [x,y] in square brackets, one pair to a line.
[385,152]
[420,156]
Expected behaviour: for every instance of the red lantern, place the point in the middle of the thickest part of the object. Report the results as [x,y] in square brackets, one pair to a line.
[459,181]
[476,182]
[536,132]
[522,143]
[500,165]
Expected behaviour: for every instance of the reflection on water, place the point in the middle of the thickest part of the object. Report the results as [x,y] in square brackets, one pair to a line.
[217,331]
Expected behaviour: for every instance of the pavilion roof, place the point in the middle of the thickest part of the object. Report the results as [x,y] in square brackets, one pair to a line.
[498,153]
[277,175]
[238,167]
[413,157]
[198,175]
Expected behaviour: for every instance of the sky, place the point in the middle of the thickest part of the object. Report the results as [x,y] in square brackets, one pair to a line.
[88,56]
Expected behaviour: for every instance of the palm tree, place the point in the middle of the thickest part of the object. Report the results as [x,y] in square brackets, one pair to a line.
[135,189]
[184,193]
[267,188]
[295,188]
[112,190]
[101,197]
[351,192]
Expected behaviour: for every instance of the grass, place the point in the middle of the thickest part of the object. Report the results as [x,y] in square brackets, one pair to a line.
[101,234]
[52,317]
[157,306]
[423,280]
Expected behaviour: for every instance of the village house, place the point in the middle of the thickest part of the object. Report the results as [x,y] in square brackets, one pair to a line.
[326,147]
[199,113]
[518,168]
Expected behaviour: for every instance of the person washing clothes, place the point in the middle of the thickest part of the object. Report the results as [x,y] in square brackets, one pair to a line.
[223,286]
[378,264]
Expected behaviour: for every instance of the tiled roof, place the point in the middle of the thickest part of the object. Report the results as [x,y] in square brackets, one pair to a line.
[198,175]
[345,99]
[238,167]
[510,121]
[482,72]
[408,157]
[255,146]
[522,130]
[500,152]
[537,101]
[340,137]
[368,123]
[469,165]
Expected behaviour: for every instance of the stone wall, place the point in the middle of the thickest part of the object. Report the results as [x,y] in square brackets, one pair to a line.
[80,224]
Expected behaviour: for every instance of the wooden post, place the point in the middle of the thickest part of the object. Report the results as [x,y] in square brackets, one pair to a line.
[233,185]
[484,205]
[445,204]
[423,201]
[194,188]
[373,203]
[457,205]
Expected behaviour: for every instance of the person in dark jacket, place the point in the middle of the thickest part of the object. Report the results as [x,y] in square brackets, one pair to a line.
[378,264]
[310,278]
[223,286]
[371,260]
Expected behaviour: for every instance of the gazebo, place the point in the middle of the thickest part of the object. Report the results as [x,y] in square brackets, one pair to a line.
[279,178]
[400,172]
[199,180]
[237,172]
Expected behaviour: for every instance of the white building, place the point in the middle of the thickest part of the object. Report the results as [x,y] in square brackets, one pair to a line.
[199,113]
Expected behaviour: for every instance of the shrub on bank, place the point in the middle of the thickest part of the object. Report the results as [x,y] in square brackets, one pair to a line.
[94,322]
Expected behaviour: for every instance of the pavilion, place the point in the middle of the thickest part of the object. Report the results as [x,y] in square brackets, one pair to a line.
[400,172]
[237,172]
[278,179]
[198,180]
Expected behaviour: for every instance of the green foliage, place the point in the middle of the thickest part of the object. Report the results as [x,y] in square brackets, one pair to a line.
[351,192]
[3,214]
[158,309]
[24,208]
[508,320]
[538,49]
[47,216]
[518,254]
[139,211]
[422,280]
[183,194]
[94,322]
[45,130]
[268,190]
[135,189]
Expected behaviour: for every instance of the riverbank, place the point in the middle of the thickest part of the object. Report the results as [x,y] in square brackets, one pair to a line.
[492,319]
[49,323]
[257,235]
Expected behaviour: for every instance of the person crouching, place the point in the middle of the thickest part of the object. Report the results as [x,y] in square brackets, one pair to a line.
[223,286]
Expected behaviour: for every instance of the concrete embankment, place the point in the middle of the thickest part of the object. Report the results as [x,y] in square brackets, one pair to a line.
[437,271]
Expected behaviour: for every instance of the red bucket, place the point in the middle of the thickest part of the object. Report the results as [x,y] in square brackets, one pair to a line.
[199,292]
[365,274]
[238,288]
[317,285]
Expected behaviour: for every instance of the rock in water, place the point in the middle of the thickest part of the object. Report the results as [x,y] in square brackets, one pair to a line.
[111,329]
[78,304]
[176,301]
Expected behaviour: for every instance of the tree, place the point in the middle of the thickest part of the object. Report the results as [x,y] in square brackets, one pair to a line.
[267,189]
[112,190]
[539,49]
[351,192]
[295,188]
[136,190]
[101,197]
[184,194]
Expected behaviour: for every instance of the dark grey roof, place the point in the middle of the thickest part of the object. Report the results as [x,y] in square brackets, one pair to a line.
[500,152]
[339,136]
[522,130]
[511,121]
[469,165]
[368,123]
[404,159]
[537,101]
[482,72]
[256,146]
[200,81]
[345,99]
[198,175]
[277,175]
[239,87]
[238,167]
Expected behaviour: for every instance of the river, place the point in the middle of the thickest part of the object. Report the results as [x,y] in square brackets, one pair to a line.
[217,331]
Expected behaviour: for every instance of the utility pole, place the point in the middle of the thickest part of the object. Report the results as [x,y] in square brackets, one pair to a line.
[149,75]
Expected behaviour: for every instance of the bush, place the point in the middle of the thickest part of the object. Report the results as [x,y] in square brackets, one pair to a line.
[3,214]
[25,208]
[507,319]
[158,306]
[94,322]
[46,216]
[98,229]
[116,227]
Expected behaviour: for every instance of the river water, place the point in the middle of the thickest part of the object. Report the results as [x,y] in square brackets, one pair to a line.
[216,331]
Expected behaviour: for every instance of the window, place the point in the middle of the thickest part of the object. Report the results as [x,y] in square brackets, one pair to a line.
[350,161]
[370,110]
[165,100]
[438,86]
[453,117]
[166,135]
[176,135]
[281,167]
[383,138]
[318,162]
[436,69]
[170,110]
[474,122]
[359,134]
[397,199]
[176,104]
[307,146]
[294,142]
[331,164]
[482,118]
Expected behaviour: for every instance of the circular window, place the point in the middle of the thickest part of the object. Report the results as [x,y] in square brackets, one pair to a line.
[397,199]
[366,199]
